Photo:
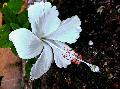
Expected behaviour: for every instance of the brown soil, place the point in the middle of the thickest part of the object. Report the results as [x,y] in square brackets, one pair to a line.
[11,69]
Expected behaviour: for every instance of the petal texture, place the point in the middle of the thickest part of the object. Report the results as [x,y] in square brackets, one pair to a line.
[62,53]
[43,63]
[68,31]
[32,1]
[26,43]
[51,21]
[35,14]
[37,10]
[43,18]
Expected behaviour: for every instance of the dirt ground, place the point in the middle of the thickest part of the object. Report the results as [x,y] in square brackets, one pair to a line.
[10,69]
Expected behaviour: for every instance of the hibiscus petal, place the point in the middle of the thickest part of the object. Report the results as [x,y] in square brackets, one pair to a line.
[37,10]
[32,1]
[43,63]
[26,43]
[68,31]
[51,21]
[36,13]
[63,54]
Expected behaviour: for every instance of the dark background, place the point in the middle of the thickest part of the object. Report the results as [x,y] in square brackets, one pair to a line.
[102,26]
[100,22]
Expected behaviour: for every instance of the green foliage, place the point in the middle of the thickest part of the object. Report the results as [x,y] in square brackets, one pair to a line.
[15,5]
[13,49]
[14,26]
[22,19]
[13,20]
[4,36]
[29,65]
[26,25]
[9,15]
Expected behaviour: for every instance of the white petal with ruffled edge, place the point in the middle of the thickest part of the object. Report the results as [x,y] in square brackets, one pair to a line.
[68,31]
[43,63]
[51,21]
[63,54]
[26,43]
[32,1]
[36,13]
[38,9]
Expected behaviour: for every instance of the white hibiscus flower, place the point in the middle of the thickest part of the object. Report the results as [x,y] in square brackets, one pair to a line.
[47,38]
[32,1]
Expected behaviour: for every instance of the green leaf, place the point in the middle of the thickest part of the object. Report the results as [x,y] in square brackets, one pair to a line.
[26,25]
[4,36]
[13,49]
[8,15]
[22,18]
[11,11]
[29,65]
[14,26]
[4,27]
[15,5]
